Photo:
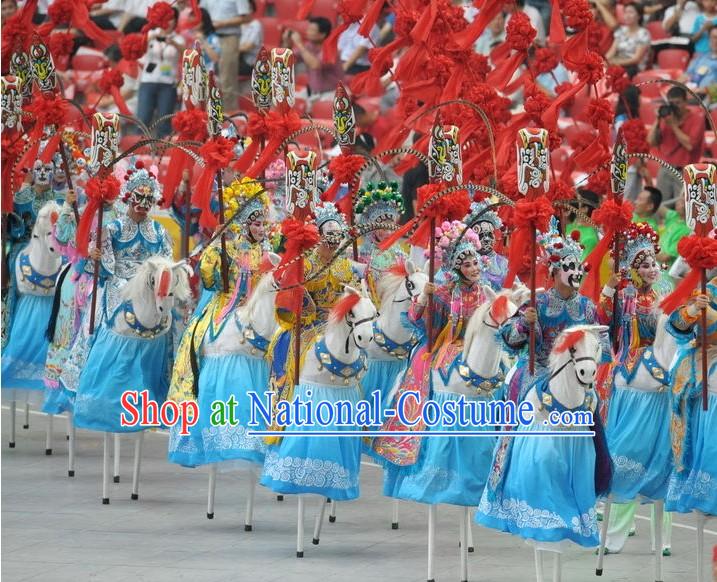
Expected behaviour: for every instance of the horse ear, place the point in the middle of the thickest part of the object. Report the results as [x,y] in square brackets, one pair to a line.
[274,259]
[364,288]
[350,289]
[410,267]
[599,328]
[489,293]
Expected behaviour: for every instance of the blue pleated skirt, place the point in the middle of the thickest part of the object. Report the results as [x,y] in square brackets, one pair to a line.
[695,488]
[57,400]
[449,469]
[115,364]
[220,378]
[327,466]
[23,359]
[638,438]
[547,490]
[381,375]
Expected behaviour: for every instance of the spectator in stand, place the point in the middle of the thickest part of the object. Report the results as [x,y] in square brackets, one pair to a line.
[353,49]
[680,19]
[703,24]
[252,37]
[674,228]
[206,35]
[323,77]
[157,94]
[604,23]
[492,36]
[587,201]
[678,134]
[631,42]
[702,71]
[647,207]
[227,17]
[8,8]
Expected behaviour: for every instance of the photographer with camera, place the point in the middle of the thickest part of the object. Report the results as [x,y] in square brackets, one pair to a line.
[678,134]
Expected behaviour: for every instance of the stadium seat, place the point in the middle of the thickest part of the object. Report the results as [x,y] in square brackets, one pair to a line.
[656,30]
[648,110]
[673,59]
[324,109]
[325,8]
[89,61]
[272,31]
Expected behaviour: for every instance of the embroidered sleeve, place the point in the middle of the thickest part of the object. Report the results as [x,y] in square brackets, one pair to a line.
[516,332]
[167,248]
[65,227]
[606,305]
[107,262]
[681,323]
[209,266]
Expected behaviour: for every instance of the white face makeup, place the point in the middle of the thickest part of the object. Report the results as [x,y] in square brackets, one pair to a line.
[142,199]
[331,233]
[571,271]
[486,235]
[470,269]
[648,270]
[42,173]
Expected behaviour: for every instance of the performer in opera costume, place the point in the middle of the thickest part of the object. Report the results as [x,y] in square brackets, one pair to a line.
[324,285]
[693,483]
[556,309]
[218,374]
[493,265]
[128,242]
[642,465]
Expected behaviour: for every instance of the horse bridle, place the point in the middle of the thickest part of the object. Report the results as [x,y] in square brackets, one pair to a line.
[352,324]
[409,286]
[573,360]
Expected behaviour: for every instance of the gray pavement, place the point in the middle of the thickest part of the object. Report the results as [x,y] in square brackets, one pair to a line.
[54,528]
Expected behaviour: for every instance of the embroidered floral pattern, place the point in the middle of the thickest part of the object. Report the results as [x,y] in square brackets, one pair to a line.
[227,437]
[698,485]
[305,472]
[523,515]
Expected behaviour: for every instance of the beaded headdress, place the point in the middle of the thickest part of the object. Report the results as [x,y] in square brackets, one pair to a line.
[639,241]
[452,252]
[478,210]
[378,203]
[558,248]
[140,186]
[248,198]
[326,212]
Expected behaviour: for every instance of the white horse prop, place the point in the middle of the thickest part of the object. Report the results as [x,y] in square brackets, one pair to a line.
[130,351]
[641,404]
[232,364]
[573,471]
[333,363]
[35,271]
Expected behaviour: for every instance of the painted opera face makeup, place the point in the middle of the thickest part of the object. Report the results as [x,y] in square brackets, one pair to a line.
[331,234]
[486,235]
[469,268]
[257,228]
[42,173]
[142,199]
[571,272]
[648,269]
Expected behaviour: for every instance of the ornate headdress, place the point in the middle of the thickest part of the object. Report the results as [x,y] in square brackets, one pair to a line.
[558,248]
[489,216]
[326,212]
[379,203]
[141,187]
[450,251]
[248,198]
[639,241]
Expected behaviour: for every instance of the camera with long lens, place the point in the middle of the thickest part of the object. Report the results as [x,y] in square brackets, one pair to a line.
[667,109]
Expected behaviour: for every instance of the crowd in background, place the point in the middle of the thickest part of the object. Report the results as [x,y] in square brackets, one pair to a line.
[650,39]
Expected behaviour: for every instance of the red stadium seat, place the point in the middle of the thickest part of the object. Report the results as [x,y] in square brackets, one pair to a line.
[272,31]
[673,59]
[323,109]
[326,8]
[656,30]
[89,61]
[286,9]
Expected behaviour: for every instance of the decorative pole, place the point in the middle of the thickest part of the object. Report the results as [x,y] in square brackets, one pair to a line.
[618,179]
[533,176]
[345,125]
[105,144]
[45,77]
[701,217]
[300,204]
[215,119]
[195,88]
[444,167]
